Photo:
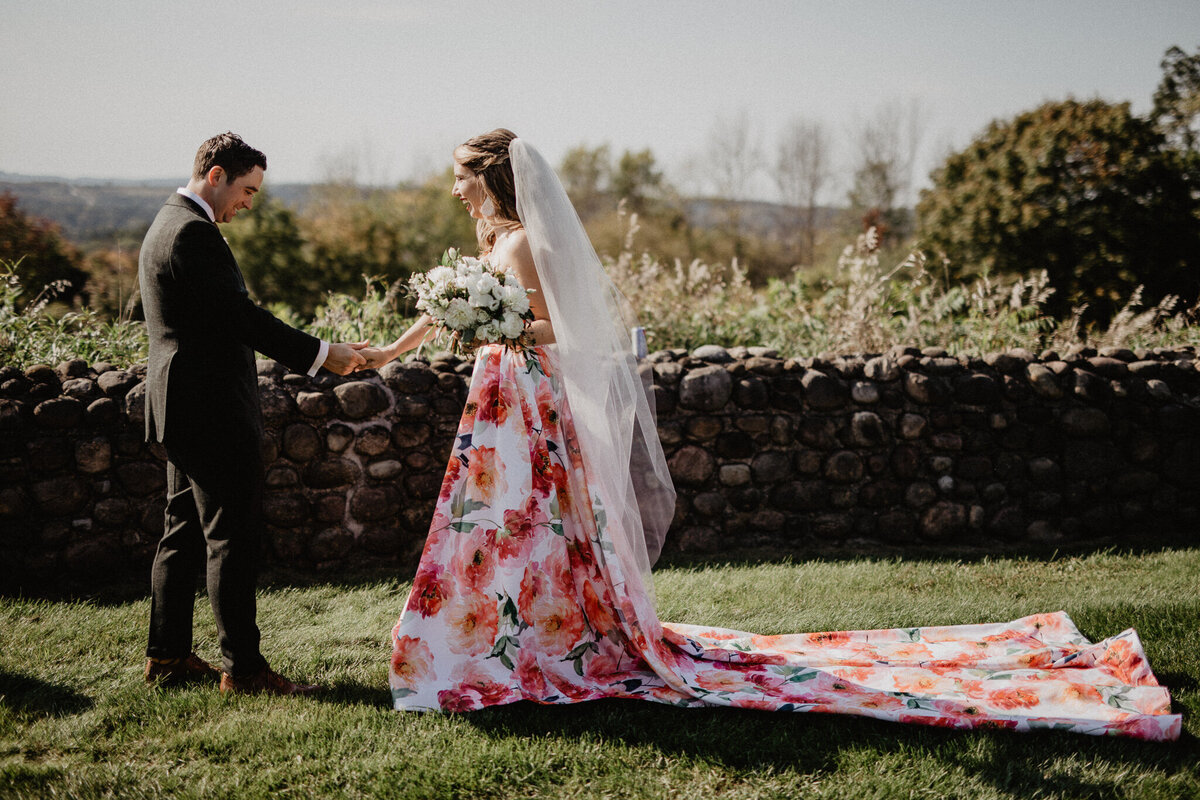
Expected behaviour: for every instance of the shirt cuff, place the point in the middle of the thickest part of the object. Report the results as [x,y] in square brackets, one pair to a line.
[322,354]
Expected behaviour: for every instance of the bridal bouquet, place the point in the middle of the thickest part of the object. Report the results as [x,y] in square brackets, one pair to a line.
[473,302]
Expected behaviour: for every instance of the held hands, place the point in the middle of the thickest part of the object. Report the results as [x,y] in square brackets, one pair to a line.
[373,358]
[345,358]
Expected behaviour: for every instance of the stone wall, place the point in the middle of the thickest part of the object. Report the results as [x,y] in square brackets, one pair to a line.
[860,454]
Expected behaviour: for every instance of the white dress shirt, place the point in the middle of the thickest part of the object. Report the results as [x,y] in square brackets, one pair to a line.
[323,350]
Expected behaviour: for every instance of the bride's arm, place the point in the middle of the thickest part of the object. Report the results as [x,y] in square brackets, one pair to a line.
[420,331]
[519,259]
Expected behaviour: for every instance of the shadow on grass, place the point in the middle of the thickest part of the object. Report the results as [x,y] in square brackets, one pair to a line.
[739,739]
[124,587]
[28,696]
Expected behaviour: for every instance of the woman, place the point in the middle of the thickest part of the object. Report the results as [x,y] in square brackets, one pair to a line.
[534,581]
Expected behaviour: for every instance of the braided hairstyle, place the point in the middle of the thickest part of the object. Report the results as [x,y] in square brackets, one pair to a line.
[487,156]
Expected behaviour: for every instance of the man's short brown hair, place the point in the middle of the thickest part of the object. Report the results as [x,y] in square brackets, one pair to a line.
[230,153]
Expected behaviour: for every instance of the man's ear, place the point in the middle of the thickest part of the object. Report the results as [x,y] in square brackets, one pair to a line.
[214,176]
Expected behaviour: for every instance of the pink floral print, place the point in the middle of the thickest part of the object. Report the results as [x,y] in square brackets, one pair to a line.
[521,595]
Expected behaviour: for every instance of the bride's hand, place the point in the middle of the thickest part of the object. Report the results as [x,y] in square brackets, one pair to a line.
[374,358]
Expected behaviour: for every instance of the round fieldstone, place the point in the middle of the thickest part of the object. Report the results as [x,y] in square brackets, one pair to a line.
[668,373]
[135,405]
[81,389]
[103,411]
[111,511]
[338,437]
[864,393]
[709,504]
[279,477]
[418,406]
[881,368]
[1044,472]
[117,383]
[276,404]
[691,465]
[764,365]
[712,353]
[926,389]
[330,473]
[752,393]
[372,441]
[943,520]
[920,494]
[331,544]
[286,510]
[330,507]
[867,429]
[702,429]
[1105,367]
[419,461]
[769,467]
[410,434]
[385,470]
[141,478]
[408,377]
[425,486]
[360,399]
[301,442]
[374,503]
[734,475]
[93,456]
[12,503]
[1158,389]
[819,433]
[1091,387]
[1084,422]
[1043,381]
[823,392]
[905,461]
[897,526]
[60,496]
[315,404]
[59,413]
[800,496]
[912,426]
[705,389]
[844,466]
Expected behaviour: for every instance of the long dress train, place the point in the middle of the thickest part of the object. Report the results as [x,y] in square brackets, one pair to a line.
[521,595]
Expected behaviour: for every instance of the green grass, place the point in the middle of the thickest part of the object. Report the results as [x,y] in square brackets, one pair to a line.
[76,720]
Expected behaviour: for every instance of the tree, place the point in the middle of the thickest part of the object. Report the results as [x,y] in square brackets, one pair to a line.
[886,147]
[46,260]
[732,158]
[1177,100]
[637,179]
[802,170]
[585,174]
[270,251]
[1085,190]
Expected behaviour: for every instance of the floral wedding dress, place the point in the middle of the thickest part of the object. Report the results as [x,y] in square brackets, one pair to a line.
[522,595]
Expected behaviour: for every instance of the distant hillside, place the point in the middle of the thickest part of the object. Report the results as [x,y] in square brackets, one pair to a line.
[89,210]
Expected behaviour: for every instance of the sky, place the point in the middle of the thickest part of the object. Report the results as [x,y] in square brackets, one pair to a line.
[382,90]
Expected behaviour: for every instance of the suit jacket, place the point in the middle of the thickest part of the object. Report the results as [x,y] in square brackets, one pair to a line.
[203,330]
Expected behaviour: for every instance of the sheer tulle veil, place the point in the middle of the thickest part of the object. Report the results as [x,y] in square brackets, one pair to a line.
[612,406]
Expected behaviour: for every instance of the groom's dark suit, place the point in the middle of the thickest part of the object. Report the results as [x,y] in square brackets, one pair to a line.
[202,404]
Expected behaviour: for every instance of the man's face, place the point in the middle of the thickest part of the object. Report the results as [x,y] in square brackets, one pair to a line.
[229,198]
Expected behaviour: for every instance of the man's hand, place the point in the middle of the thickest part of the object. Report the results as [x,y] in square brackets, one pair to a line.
[344,358]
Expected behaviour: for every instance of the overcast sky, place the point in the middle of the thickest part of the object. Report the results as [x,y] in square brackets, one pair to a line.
[129,88]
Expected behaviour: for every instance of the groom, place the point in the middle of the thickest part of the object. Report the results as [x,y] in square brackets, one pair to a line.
[202,405]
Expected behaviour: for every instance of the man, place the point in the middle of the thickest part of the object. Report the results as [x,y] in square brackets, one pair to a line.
[202,405]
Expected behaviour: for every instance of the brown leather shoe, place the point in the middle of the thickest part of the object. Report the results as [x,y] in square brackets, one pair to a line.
[265,681]
[180,671]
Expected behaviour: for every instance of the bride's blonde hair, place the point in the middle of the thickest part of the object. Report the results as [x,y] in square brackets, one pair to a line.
[487,156]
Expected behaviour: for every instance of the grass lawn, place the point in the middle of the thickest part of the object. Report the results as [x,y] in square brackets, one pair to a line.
[77,721]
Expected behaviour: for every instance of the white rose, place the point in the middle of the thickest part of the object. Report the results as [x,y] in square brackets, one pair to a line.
[488,333]
[480,291]
[459,314]
[516,299]
[511,326]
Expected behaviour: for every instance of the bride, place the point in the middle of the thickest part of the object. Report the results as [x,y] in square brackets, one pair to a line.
[534,583]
